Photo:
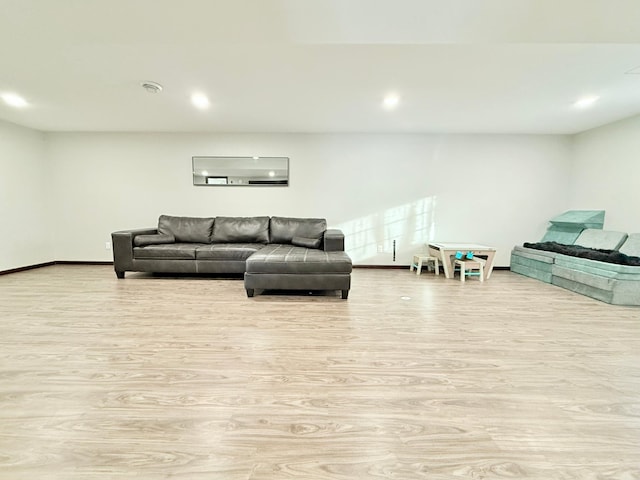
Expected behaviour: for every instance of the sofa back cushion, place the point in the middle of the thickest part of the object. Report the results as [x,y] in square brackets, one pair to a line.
[631,246]
[186,229]
[283,229]
[241,230]
[601,239]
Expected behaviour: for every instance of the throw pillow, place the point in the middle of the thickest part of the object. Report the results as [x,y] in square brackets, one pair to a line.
[305,242]
[283,229]
[144,240]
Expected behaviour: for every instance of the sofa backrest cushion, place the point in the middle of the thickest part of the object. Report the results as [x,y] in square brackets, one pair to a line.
[631,246]
[186,229]
[283,229]
[241,229]
[601,239]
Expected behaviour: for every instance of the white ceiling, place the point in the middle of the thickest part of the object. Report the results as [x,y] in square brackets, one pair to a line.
[474,66]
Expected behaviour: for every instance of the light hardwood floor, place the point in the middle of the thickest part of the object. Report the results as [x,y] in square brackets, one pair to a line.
[159,377]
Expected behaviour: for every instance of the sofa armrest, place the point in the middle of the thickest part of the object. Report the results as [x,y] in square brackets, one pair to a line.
[333,240]
[122,242]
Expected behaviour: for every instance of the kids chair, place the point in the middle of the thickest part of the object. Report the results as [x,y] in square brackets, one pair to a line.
[420,259]
[468,263]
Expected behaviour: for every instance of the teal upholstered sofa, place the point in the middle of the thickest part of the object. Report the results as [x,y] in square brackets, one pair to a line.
[608,282]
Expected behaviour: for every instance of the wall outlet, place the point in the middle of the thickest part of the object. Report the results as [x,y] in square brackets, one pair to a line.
[107,245]
[380,248]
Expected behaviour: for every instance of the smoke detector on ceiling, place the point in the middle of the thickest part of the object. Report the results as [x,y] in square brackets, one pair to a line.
[152,87]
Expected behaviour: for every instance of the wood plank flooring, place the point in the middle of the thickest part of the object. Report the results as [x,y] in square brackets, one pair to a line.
[187,378]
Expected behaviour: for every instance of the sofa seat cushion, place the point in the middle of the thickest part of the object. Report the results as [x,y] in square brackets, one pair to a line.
[585,278]
[603,269]
[283,229]
[186,229]
[175,251]
[227,251]
[241,229]
[533,254]
[287,259]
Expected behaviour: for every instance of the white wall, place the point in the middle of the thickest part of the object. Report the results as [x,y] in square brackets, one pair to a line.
[25,198]
[494,189]
[606,173]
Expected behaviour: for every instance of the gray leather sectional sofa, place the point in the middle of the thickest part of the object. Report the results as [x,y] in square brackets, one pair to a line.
[274,253]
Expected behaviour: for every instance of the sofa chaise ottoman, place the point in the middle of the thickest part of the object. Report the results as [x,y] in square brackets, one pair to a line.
[288,267]
[272,252]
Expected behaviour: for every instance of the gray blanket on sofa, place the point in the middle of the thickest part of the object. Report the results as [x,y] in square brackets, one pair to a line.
[608,256]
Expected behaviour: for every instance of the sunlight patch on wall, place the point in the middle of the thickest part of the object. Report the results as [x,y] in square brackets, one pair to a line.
[411,226]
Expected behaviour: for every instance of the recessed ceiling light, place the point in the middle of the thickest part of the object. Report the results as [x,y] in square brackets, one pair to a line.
[152,87]
[586,101]
[391,101]
[14,100]
[200,101]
